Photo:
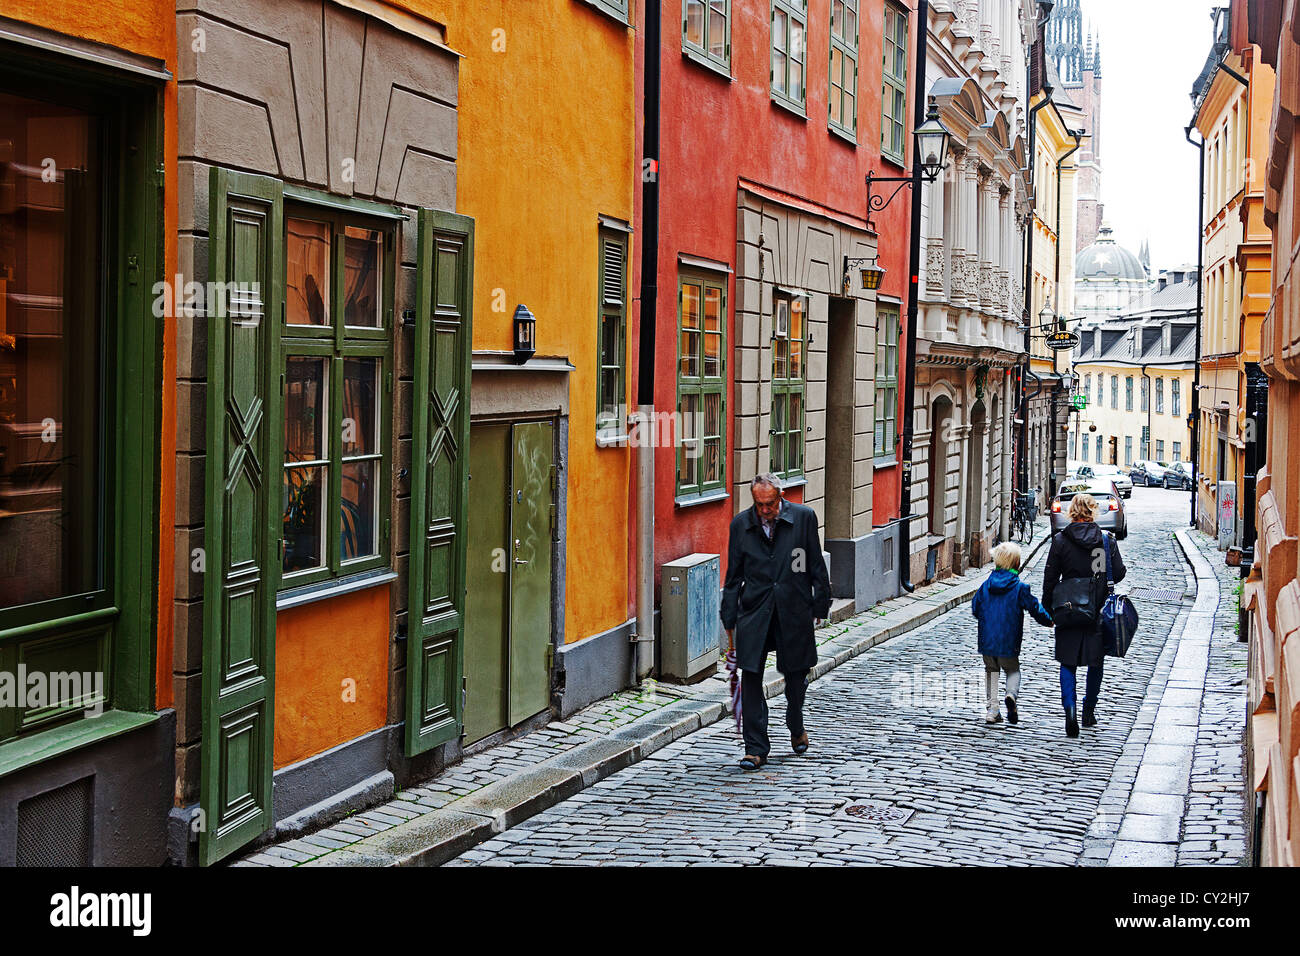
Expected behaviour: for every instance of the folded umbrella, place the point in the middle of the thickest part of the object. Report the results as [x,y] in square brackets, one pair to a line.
[733,681]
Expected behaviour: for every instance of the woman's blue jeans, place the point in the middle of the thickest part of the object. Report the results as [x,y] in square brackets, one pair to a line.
[1092,687]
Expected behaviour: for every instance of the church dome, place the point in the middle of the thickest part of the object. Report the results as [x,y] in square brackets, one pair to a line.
[1107,259]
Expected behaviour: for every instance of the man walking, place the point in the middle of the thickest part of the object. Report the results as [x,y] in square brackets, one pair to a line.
[776,586]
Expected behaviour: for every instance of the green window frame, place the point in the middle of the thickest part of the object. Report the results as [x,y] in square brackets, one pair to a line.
[1146,393]
[350,454]
[701,384]
[102,621]
[893,95]
[1175,397]
[706,33]
[1128,451]
[789,384]
[843,84]
[886,428]
[1160,396]
[1178,452]
[611,335]
[789,47]
[620,10]
[1128,393]
[1114,392]
[1160,450]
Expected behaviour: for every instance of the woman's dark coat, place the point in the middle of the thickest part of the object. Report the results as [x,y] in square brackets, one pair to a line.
[786,577]
[1077,552]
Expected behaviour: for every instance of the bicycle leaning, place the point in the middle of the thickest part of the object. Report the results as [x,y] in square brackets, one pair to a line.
[1023,512]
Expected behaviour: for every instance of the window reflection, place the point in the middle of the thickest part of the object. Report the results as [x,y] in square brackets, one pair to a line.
[50,352]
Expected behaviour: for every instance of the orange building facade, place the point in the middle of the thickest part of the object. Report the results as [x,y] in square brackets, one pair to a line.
[1271,597]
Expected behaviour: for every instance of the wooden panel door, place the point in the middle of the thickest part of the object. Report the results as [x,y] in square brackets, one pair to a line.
[531,524]
[487,614]
[439,480]
[242,532]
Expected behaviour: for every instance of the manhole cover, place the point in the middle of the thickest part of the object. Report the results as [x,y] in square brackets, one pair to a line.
[877,812]
[1158,595]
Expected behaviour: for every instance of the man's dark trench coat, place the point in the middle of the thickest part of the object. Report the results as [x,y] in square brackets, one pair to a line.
[786,577]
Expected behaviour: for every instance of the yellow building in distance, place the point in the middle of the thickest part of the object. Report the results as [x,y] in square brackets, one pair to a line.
[1136,371]
[1057,139]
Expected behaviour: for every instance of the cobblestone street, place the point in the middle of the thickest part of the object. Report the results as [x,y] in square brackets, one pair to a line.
[898,733]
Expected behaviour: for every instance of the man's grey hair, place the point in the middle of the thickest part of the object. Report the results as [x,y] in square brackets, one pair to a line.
[766,478]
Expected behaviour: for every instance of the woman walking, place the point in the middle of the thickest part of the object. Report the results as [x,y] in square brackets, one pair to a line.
[1079,551]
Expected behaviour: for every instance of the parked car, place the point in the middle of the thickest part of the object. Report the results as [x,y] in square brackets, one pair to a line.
[1111,515]
[1148,473]
[1178,475]
[1116,474]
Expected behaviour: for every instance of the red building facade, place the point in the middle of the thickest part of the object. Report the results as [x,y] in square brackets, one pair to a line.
[769,350]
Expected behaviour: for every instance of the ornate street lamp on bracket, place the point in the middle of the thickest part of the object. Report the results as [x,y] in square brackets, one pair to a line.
[929,156]
[871,270]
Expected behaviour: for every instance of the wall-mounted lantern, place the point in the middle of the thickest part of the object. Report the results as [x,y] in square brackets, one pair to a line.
[870,270]
[525,334]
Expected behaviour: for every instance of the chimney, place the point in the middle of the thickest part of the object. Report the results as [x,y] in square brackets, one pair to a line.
[1162,281]
[1096,341]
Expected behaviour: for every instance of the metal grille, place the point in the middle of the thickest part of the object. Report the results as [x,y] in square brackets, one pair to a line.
[1159,595]
[877,812]
[54,827]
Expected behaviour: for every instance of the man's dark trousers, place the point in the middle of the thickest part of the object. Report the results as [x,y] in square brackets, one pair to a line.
[753,705]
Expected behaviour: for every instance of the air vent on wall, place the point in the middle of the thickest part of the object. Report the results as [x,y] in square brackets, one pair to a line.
[54,827]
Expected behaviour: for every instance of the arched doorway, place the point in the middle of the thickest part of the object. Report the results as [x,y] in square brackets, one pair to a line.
[975,506]
[941,415]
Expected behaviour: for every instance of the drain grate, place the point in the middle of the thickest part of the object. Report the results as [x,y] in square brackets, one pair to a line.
[1159,595]
[877,812]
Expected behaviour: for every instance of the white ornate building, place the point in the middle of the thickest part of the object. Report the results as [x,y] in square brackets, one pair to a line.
[971,297]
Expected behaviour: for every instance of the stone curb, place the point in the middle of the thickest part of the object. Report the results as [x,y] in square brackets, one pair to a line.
[440,835]
[1140,836]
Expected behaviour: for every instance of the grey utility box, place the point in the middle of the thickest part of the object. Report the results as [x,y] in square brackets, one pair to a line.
[690,593]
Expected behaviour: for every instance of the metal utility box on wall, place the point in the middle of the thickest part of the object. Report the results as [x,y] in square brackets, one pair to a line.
[1227,503]
[689,623]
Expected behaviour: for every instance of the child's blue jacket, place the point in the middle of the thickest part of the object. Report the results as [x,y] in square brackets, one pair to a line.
[999,606]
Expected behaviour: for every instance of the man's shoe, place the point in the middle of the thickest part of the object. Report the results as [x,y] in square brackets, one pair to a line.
[1013,715]
[1071,724]
[751,762]
[800,743]
[992,718]
[1089,717]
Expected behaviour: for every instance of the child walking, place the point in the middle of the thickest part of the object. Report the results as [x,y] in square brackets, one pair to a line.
[999,606]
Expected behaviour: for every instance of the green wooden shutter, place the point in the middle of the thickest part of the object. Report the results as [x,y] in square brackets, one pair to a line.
[242,532]
[435,609]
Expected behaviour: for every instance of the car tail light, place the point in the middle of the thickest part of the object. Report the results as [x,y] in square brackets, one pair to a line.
[1114,506]
[1056,507]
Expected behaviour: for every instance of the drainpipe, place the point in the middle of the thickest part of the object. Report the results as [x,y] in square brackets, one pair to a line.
[1056,306]
[919,111]
[643,658]
[1200,299]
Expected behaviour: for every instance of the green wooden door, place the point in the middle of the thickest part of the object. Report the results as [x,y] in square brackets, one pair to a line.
[435,619]
[530,584]
[487,613]
[243,509]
